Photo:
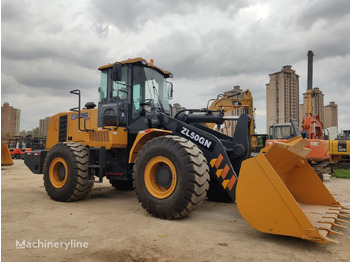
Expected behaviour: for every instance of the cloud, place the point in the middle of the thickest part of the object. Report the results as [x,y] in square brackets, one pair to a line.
[323,10]
[133,15]
[52,47]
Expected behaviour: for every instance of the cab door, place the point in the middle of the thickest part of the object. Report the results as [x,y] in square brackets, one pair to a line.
[113,100]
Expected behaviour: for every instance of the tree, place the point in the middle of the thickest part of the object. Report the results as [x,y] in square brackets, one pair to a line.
[36,132]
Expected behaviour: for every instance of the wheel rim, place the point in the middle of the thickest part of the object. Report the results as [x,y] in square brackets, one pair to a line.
[160,177]
[58,172]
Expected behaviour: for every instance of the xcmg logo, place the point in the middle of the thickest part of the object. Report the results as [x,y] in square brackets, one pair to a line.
[76,116]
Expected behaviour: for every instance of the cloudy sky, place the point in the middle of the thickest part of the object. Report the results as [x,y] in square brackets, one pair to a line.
[51,47]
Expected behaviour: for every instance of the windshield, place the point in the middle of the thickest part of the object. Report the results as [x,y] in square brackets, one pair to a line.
[150,87]
[282,132]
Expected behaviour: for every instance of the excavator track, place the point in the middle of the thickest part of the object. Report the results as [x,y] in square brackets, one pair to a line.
[324,167]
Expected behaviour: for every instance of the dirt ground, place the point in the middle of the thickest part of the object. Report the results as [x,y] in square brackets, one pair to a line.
[116,228]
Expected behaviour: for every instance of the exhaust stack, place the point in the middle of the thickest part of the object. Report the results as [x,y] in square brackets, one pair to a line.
[310,55]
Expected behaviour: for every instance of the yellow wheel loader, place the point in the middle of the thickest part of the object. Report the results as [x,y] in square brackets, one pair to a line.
[131,140]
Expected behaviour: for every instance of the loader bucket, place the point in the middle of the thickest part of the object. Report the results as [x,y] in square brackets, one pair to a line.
[279,193]
[6,159]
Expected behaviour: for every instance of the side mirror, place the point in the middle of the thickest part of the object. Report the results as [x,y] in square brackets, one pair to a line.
[170,90]
[117,72]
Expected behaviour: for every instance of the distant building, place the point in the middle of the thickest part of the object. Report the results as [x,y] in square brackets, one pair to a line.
[23,133]
[282,97]
[44,126]
[10,120]
[331,115]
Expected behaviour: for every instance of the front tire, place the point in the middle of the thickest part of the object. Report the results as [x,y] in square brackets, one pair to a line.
[171,177]
[66,172]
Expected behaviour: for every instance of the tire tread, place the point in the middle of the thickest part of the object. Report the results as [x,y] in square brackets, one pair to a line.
[196,172]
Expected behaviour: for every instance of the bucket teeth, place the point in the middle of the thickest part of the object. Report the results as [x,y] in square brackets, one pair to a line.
[335,208]
[333,212]
[330,231]
[343,210]
[333,224]
[331,240]
[331,216]
[336,219]
[341,221]
[343,216]
[346,208]
[331,219]
[339,226]
[324,239]
[340,208]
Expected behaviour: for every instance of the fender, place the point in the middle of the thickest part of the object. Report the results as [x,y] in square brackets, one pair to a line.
[142,138]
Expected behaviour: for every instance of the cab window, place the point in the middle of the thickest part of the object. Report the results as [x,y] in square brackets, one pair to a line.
[119,87]
[282,132]
[136,98]
[103,87]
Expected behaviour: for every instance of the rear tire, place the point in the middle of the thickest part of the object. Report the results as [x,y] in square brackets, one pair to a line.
[66,172]
[171,177]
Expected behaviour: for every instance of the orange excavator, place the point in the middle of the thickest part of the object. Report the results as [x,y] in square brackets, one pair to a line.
[312,127]
[318,157]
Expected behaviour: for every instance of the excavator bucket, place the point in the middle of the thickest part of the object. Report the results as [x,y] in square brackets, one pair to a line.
[279,193]
[6,159]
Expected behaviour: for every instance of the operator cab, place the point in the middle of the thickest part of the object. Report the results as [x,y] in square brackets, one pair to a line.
[284,130]
[129,90]
[281,131]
